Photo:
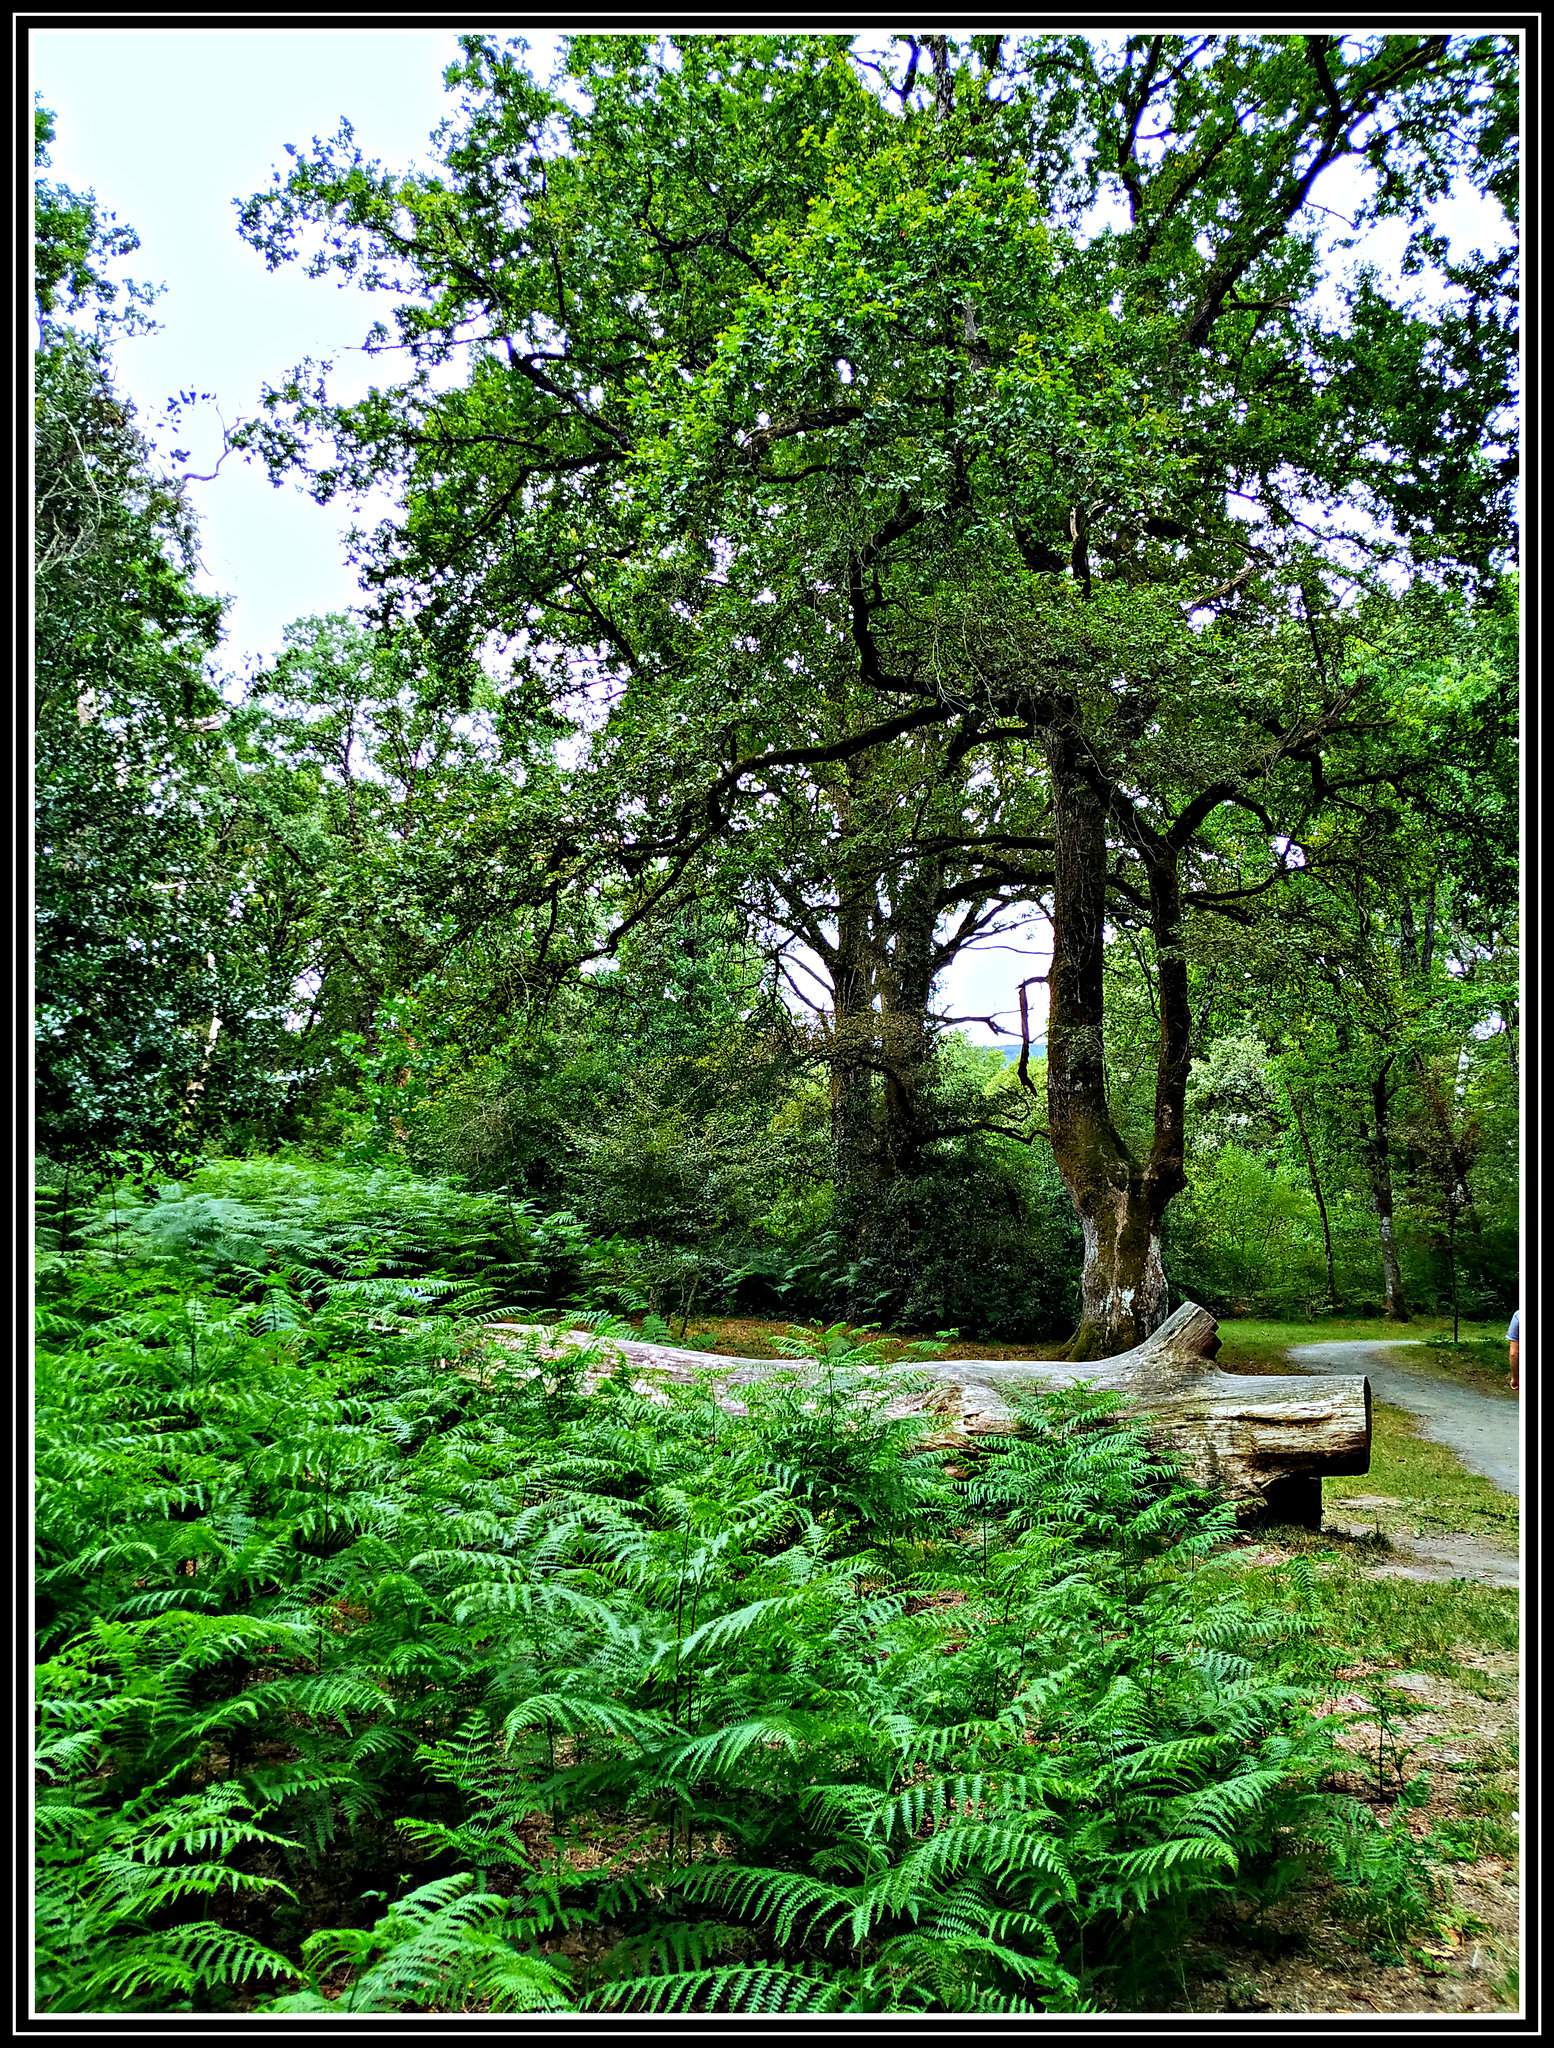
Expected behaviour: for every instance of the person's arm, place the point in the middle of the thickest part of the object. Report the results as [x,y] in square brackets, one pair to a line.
[1516,1366]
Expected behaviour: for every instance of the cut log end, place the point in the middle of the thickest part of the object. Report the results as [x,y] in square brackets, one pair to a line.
[1265,1442]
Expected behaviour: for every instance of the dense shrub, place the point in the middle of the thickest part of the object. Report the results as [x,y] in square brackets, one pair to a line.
[253,1223]
[1245,1234]
[967,1245]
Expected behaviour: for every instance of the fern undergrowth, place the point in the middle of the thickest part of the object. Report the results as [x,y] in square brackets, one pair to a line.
[386,1668]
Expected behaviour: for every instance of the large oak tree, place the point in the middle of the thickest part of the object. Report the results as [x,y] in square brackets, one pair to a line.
[999,390]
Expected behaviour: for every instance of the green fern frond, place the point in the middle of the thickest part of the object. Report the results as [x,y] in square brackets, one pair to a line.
[753,1988]
[784,1897]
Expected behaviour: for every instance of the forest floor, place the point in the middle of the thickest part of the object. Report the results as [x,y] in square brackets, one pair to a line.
[1424,1577]
[1419,1565]
[1418,1572]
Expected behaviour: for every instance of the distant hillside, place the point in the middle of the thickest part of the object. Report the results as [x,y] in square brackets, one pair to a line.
[1012,1052]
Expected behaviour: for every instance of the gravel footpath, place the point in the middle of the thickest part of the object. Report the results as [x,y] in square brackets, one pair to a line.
[1483,1429]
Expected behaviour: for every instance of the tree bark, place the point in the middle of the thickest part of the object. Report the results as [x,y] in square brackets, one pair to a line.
[882,975]
[1265,1441]
[905,952]
[1166,1174]
[1121,1203]
[852,1038]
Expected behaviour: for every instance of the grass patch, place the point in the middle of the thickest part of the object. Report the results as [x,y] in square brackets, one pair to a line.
[1415,1622]
[1487,1800]
[1480,1360]
[1367,1617]
[1495,1686]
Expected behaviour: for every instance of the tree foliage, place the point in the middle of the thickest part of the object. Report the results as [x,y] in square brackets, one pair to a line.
[845,421]
[154,1017]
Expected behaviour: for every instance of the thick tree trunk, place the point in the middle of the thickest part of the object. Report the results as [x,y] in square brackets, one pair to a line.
[1267,1442]
[1124,1278]
[905,953]
[851,1051]
[1121,1203]
[1166,1174]
[882,1058]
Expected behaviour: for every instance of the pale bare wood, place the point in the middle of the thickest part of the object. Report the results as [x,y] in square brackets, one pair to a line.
[1266,1441]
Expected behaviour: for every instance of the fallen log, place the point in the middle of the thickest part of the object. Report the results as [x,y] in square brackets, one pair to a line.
[1265,1441]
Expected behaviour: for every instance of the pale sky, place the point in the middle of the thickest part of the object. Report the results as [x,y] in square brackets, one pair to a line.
[169,127]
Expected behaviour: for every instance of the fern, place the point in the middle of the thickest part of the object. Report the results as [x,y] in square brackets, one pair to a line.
[733,1987]
[335,1588]
[105,1875]
[441,1947]
[1391,1884]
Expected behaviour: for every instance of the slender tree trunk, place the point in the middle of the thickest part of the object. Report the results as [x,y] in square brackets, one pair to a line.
[1316,1189]
[1408,938]
[1376,1143]
[1121,1203]
[195,1086]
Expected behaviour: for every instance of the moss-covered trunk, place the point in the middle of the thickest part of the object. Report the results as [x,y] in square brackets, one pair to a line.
[882,1060]
[1121,1200]
[905,955]
[853,1146]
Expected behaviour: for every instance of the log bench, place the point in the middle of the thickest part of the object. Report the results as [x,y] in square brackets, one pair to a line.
[1265,1441]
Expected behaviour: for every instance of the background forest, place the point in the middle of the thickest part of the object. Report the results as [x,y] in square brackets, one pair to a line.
[822,540]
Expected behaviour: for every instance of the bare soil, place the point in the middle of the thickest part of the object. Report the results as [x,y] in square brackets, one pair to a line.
[1433,1559]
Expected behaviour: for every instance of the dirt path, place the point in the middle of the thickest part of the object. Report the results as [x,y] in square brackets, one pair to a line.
[1482,1429]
